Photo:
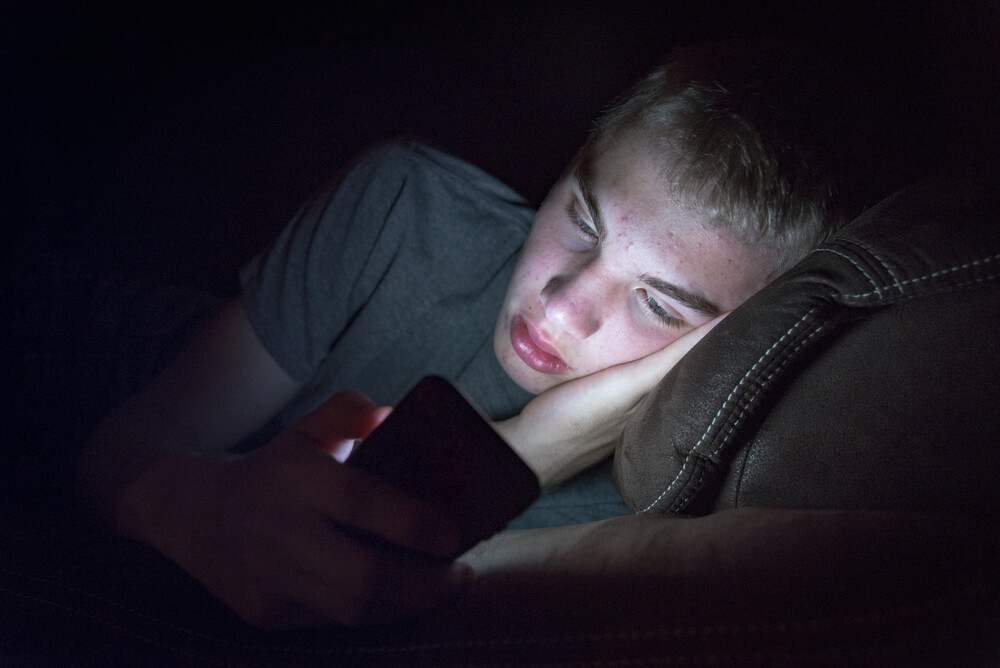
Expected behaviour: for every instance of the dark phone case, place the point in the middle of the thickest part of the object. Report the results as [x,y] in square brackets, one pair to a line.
[437,446]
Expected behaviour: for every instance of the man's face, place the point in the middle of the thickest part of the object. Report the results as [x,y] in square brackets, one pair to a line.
[614,270]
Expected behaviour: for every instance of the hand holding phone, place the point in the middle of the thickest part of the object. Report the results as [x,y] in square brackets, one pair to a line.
[437,446]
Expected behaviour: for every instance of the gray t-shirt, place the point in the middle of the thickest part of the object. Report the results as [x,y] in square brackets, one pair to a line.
[393,271]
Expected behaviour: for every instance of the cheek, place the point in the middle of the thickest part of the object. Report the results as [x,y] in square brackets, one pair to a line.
[627,343]
[538,266]
[540,260]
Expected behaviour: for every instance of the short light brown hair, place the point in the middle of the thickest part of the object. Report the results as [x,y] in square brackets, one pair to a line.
[717,126]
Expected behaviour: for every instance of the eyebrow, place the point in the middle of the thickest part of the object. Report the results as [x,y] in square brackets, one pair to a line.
[692,300]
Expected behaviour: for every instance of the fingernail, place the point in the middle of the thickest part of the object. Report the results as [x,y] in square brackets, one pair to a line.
[464,574]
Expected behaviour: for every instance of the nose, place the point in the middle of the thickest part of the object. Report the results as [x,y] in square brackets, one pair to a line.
[575,301]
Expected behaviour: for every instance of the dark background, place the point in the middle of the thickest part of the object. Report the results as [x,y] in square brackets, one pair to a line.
[176,139]
[168,141]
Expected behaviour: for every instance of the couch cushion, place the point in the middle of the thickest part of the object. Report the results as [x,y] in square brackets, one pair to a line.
[864,378]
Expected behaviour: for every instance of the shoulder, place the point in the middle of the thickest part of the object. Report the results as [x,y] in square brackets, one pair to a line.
[441,178]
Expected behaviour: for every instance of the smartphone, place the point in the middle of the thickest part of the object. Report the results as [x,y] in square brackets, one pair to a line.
[438,446]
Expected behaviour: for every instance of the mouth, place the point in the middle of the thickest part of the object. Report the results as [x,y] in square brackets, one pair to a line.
[533,351]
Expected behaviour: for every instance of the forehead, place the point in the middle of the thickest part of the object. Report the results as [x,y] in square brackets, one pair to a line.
[626,185]
[652,233]
[625,163]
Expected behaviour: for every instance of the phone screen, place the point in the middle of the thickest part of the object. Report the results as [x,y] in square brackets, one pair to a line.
[436,445]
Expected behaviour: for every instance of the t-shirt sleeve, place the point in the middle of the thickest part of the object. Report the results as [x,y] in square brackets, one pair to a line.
[303,290]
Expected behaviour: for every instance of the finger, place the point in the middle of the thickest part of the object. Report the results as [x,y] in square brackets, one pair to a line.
[649,370]
[348,496]
[318,574]
[353,581]
[341,450]
[673,353]
[619,389]
[381,413]
[344,416]
[379,509]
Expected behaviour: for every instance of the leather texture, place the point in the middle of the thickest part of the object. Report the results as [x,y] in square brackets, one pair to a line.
[865,378]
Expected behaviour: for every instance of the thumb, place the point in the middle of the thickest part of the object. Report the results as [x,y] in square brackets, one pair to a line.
[345,416]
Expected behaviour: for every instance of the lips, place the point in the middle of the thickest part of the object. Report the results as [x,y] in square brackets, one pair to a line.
[533,351]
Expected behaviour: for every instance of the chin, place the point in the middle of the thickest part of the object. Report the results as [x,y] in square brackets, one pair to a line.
[529,380]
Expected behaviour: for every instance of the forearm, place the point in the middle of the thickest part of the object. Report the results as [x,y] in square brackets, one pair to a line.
[222,387]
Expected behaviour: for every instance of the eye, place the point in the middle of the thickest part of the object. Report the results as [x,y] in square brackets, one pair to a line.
[583,228]
[661,314]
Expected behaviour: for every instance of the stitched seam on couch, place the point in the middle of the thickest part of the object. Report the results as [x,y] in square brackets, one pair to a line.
[857,265]
[878,258]
[863,299]
[746,406]
[745,401]
[900,286]
[779,627]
